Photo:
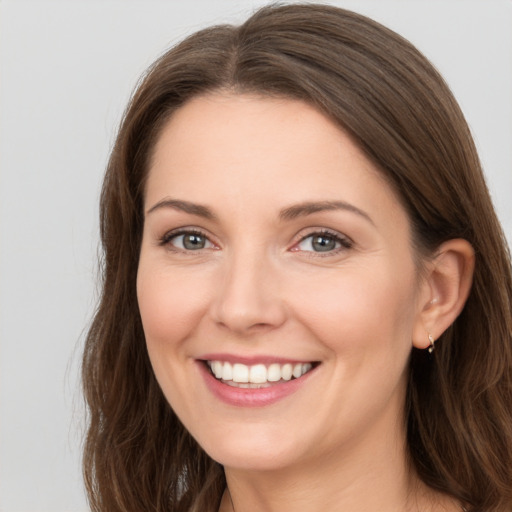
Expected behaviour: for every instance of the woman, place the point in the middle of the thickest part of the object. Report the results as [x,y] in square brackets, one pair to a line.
[306,292]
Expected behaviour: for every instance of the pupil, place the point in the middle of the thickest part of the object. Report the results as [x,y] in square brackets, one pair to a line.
[193,242]
[323,243]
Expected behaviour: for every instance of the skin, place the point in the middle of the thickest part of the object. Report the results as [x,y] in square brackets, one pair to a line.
[258,287]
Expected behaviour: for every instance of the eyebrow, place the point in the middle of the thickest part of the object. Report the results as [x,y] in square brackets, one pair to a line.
[290,213]
[311,207]
[184,206]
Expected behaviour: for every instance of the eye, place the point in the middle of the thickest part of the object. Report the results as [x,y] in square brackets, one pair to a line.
[189,240]
[323,242]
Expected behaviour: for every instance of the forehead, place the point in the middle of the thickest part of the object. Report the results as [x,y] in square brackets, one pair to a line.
[250,126]
[219,147]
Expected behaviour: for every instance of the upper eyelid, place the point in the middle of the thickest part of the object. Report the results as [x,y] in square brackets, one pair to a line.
[184,230]
[322,231]
[173,233]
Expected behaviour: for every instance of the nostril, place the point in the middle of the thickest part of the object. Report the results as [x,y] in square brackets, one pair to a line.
[245,324]
[247,301]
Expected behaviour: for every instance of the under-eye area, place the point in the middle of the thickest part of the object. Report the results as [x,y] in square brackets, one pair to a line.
[258,375]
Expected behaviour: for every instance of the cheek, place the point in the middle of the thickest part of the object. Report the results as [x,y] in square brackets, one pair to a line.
[359,308]
[169,303]
[170,308]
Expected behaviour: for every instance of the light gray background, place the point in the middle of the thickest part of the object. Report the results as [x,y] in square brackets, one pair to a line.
[67,69]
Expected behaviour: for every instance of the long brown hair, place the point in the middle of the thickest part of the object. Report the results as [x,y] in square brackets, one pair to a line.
[382,91]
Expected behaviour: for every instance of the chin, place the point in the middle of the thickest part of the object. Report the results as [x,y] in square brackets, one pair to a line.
[253,451]
[254,460]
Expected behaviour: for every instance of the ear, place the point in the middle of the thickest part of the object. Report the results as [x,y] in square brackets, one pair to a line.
[444,290]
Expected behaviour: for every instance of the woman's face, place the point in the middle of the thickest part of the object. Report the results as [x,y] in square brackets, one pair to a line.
[275,253]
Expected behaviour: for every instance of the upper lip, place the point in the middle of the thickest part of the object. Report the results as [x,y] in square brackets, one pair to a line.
[252,360]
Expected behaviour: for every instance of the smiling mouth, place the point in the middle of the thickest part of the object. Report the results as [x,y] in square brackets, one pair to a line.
[259,375]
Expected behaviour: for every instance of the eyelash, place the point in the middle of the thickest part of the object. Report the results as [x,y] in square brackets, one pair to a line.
[344,242]
[168,237]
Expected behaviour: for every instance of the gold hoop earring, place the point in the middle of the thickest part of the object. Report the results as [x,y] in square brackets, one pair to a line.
[432,342]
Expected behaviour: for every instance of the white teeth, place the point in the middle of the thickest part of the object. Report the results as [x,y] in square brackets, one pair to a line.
[274,372]
[217,369]
[306,367]
[257,374]
[297,370]
[227,371]
[240,373]
[286,371]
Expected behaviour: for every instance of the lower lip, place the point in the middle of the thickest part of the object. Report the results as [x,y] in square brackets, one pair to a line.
[251,397]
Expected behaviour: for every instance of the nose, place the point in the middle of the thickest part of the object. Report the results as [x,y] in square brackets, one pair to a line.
[249,298]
